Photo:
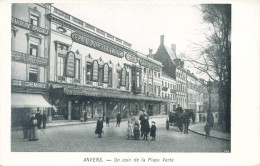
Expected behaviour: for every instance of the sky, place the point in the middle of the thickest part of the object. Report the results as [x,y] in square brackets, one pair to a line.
[141,23]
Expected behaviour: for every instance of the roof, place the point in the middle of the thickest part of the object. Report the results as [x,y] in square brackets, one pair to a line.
[170,52]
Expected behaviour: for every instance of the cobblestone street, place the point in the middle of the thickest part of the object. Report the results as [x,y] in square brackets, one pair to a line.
[81,138]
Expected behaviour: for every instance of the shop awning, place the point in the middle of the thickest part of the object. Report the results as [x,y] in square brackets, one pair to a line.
[23,100]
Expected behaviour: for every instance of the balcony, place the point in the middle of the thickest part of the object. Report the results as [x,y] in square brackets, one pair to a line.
[164,88]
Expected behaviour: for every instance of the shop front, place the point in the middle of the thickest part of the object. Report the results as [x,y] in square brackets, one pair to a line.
[27,98]
[97,102]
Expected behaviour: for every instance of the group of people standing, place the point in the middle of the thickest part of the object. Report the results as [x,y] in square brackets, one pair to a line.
[31,124]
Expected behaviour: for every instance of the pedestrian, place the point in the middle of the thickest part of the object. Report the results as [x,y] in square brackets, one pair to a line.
[107,121]
[136,130]
[129,133]
[99,127]
[44,120]
[186,122]
[146,128]
[180,117]
[39,118]
[204,118]
[85,116]
[210,118]
[25,125]
[167,123]
[153,131]
[207,129]
[32,128]
[141,118]
[118,119]
[200,118]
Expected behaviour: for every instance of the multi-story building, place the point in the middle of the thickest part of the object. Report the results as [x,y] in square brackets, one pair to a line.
[29,72]
[94,71]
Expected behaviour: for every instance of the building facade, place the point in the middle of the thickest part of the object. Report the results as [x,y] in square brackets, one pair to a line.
[29,66]
[95,72]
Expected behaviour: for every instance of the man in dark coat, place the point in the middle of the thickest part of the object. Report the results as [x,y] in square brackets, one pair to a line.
[186,122]
[107,121]
[146,127]
[99,127]
[44,120]
[118,119]
[180,117]
[141,118]
[153,131]
[207,129]
[210,118]
[25,125]
[38,116]
[85,116]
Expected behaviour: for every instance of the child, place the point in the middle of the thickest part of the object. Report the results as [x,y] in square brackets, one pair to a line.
[167,124]
[153,131]
[207,129]
[136,131]
[129,130]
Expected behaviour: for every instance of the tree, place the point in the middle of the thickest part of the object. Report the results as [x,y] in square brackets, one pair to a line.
[214,58]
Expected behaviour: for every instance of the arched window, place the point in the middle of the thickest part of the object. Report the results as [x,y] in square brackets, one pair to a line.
[105,77]
[95,71]
[123,77]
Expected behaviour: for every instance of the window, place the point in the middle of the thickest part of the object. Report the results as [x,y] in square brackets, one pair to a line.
[33,50]
[159,75]
[100,74]
[155,74]
[144,70]
[162,83]
[105,77]
[159,91]
[95,71]
[127,80]
[88,71]
[150,72]
[137,79]
[162,94]
[123,77]
[154,89]
[34,20]
[32,77]
[77,69]
[144,87]
[165,84]
[168,85]
[150,88]
[61,66]
[110,76]
[118,79]
[171,86]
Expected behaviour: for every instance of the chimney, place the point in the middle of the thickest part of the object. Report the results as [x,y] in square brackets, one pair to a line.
[150,52]
[162,39]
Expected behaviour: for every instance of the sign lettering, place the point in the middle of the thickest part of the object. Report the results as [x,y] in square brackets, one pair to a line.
[26,58]
[70,65]
[22,83]
[131,58]
[26,25]
[148,64]
[98,44]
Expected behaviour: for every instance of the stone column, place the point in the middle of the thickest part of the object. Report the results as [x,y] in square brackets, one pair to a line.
[69,109]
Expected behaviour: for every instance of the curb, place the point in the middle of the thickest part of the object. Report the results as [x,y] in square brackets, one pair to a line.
[210,136]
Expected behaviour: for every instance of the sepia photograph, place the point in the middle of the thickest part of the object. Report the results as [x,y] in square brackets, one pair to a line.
[78,87]
[130,83]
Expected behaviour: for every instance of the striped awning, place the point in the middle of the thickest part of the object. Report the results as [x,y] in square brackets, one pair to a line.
[24,100]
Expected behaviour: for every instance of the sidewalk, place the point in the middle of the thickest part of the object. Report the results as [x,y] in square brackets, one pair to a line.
[78,122]
[198,128]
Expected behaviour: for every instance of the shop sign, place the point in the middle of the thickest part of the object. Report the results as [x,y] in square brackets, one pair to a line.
[148,64]
[131,58]
[98,44]
[26,58]
[22,83]
[70,65]
[26,25]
